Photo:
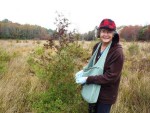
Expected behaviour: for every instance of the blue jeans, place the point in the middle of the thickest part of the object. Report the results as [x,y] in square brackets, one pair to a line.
[99,108]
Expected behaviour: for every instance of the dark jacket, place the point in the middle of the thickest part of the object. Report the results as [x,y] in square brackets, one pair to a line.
[110,80]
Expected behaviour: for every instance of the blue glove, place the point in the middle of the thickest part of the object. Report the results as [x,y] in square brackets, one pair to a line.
[81,80]
[79,74]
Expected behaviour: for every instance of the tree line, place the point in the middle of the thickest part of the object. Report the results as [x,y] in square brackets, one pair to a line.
[136,33]
[128,33]
[10,30]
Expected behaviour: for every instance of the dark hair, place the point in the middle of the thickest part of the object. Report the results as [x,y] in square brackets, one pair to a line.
[115,37]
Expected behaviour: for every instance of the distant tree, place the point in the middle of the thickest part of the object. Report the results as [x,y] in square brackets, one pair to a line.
[144,34]
[6,21]
[130,33]
[89,36]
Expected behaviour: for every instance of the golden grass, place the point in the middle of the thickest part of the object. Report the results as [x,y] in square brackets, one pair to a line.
[18,82]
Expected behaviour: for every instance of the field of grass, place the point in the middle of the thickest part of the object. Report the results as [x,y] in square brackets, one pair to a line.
[20,80]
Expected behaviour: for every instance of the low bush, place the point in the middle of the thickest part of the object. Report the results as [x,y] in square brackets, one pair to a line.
[62,94]
[4,59]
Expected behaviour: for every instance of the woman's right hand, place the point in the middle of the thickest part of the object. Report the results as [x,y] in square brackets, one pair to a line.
[79,74]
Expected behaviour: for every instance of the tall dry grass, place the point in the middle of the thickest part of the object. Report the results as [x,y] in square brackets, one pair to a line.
[134,92]
[17,82]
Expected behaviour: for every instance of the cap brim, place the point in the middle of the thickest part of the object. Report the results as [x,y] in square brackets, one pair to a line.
[106,28]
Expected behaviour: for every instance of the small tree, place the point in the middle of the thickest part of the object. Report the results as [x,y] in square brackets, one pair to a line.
[57,71]
[61,33]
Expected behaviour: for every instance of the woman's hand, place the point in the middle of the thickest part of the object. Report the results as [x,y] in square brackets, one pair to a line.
[79,74]
[81,80]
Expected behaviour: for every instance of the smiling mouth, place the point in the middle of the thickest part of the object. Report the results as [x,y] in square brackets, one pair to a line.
[105,38]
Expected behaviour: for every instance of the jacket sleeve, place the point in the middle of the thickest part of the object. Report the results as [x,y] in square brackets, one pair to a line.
[112,71]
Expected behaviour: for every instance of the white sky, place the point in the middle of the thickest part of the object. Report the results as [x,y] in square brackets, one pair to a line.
[83,14]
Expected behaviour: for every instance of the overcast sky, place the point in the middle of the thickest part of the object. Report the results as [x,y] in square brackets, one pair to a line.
[83,14]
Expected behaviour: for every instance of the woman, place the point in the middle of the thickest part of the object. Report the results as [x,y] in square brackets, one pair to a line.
[109,79]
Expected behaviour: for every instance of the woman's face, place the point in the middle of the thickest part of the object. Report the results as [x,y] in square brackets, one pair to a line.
[106,35]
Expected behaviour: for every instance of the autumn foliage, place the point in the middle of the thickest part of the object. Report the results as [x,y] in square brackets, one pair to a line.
[136,33]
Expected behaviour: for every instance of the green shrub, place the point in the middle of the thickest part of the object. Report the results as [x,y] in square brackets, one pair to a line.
[18,41]
[4,59]
[133,49]
[62,95]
